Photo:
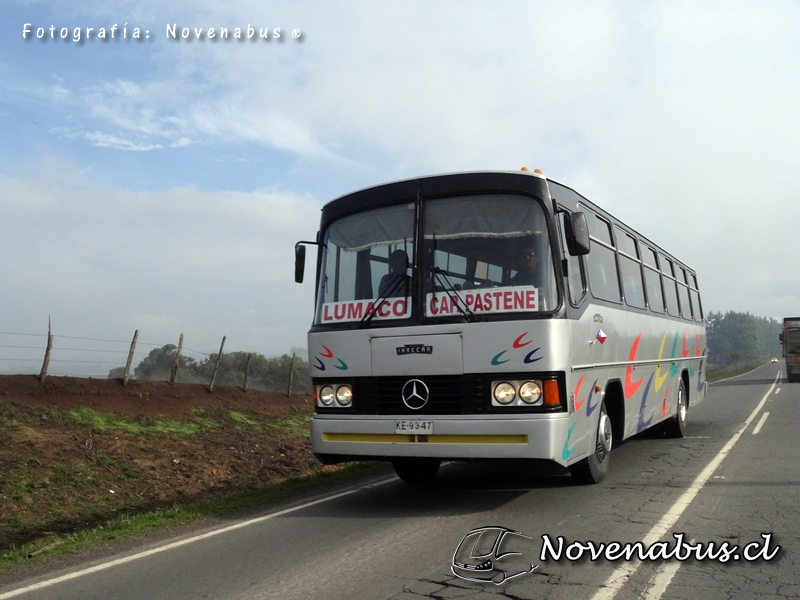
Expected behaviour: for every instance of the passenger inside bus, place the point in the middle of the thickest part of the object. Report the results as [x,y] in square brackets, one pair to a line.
[396,283]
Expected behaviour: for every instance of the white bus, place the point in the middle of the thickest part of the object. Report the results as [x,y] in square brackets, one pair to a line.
[494,315]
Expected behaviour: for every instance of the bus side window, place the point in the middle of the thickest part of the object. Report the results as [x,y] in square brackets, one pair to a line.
[670,289]
[602,260]
[631,267]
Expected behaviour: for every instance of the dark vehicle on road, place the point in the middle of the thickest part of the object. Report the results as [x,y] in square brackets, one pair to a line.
[790,340]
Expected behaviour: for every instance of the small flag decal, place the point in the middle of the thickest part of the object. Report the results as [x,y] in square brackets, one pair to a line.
[601,336]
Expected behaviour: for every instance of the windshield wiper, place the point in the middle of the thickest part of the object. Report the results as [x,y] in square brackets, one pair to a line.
[390,289]
[447,284]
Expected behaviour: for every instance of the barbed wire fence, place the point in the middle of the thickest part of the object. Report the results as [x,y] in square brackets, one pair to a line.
[43,355]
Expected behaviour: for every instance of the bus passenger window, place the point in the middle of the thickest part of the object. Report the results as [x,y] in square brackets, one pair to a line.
[602,261]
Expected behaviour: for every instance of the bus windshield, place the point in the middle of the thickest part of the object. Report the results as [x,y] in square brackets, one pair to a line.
[481,255]
[486,254]
[365,256]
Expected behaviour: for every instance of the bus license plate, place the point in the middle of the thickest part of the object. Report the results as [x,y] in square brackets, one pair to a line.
[414,427]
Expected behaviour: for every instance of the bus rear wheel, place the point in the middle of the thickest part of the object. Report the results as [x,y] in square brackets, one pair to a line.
[416,470]
[593,468]
[676,426]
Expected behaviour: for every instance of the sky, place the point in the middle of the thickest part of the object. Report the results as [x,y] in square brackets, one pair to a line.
[159,183]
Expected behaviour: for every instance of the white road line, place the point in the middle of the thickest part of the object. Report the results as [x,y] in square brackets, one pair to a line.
[623,573]
[661,580]
[178,544]
[763,418]
[778,391]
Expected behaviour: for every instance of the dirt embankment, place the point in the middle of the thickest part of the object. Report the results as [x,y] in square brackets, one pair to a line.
[75,452]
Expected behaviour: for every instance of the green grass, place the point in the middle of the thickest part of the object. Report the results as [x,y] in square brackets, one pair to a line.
[126,526]
[243,419]
[295,421]
[99,422]
[718,372]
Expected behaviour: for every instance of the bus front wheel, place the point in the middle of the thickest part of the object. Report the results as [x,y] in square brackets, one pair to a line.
[593,468]
[416,470]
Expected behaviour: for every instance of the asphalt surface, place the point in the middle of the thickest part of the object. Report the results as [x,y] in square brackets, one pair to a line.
[731,483]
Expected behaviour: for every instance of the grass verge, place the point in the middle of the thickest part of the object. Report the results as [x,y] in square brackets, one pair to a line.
[719,372]
[129,526]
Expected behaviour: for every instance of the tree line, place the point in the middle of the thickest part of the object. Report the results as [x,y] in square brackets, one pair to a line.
[741,337]
[270,374]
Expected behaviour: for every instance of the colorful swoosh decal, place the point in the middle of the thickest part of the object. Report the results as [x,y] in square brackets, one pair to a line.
[529,359]
[644,423]
[697,344]
[320,365]
[589,406]
[660,378]
[700,383]
[342,366]
[567,451]
[579,404]
[664,405]
[674,368]
[329,353]
[518,342]
[631,387]
[496,360]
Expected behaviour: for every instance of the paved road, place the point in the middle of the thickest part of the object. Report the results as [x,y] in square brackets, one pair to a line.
[732,481]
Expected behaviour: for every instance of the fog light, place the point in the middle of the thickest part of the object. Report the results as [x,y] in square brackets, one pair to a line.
[344,395]
[326,395]
[530,392]
[504,393]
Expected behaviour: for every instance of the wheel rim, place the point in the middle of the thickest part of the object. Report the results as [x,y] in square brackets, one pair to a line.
[681,405]
[603,436]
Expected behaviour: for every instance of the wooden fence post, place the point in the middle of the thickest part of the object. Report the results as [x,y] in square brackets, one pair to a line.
[127,374]
[174,371]
[216,365]
[43,372]
[291,376]
[246,371]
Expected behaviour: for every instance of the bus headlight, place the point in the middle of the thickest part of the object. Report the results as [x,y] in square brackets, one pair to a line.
[344,395]
[504,393]
[326,395]
[530,392]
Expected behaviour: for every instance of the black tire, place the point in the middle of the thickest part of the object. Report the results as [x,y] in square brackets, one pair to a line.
[416,470]
[676,426]
[593,468]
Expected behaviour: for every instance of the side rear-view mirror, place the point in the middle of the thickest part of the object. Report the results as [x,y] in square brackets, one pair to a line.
[577,234]
[299,261]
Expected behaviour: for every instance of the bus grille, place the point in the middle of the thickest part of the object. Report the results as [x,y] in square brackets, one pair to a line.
[448,394]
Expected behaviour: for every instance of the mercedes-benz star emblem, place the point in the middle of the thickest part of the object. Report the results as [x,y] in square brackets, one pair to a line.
[415,394]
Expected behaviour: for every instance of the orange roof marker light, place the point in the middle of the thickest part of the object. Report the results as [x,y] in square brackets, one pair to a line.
[527,170]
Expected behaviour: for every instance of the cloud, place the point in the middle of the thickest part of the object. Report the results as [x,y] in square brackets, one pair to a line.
[103,261]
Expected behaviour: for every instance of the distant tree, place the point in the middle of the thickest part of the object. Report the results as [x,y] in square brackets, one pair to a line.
[116,373]
[271,374]
[158,364]
[738,337]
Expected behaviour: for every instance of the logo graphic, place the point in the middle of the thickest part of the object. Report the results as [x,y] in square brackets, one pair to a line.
[328,353]
[491,554]
[414,349]
[415,394]
[601,336]
[517,344]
